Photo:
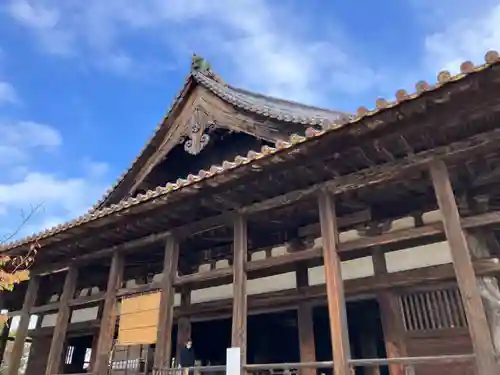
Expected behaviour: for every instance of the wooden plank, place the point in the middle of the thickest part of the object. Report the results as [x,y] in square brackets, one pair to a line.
[55,357]
[466,278]
[307,346]
[22,328]
[239,324]
[334,284]
[163,349]
[108,322]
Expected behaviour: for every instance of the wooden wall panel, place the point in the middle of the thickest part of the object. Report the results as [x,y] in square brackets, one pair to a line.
[435,324]
[139,319]
[443,343]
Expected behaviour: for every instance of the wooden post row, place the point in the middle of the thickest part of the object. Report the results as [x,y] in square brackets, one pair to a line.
[334,284]
[305,324]
[59,337]
[108,321]
[22,329]
[239,324]
[163,350]
[464,270]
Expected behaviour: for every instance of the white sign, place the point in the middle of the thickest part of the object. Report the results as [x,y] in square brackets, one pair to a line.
[233,361]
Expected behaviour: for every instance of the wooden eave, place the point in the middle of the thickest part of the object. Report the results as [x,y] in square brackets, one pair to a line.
[299,150]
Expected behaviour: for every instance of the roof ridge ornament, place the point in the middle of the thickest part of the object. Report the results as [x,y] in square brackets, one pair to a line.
[200,65]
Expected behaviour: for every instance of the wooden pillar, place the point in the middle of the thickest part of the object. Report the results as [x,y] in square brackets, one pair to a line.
[163,348]
[334,284]
[239,326]
[108,321]
[4,339]
[392,320]
[305,323]
[22,329]
[462,263]
[59,336]
[93,354]
[4,332]
[183,324]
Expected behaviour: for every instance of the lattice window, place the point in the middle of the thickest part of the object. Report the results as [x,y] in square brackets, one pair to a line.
[433,310]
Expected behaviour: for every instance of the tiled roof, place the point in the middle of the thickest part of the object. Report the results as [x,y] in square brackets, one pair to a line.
[282,110]
[443,78]
[267,106]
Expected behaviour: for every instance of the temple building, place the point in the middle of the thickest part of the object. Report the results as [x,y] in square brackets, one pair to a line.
[314,240]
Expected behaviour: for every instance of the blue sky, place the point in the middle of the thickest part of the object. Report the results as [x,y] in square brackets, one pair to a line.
[84,83]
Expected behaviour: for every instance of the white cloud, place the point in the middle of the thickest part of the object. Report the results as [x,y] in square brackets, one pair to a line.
[466,33]
[23,185]
[19,139]
[261,42]
[44,20]
[8,94]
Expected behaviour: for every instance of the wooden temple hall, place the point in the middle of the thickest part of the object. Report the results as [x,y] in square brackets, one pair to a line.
[316,241]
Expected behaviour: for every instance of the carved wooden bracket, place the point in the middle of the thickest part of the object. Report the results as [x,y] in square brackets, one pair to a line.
[197,136]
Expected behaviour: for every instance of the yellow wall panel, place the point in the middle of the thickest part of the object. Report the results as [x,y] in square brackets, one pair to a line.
[150,301]
[143,302]
[139,319]
[146,335]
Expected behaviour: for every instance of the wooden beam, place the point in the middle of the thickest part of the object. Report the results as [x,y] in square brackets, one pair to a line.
[81,260]
[307,345]
[181,231]
[239,324]
[108,322]
[59,337]
[383,172]
[163,349]
[462,263]
[353,181]
[22,329]
[223,275]
[366,285]
[334,284]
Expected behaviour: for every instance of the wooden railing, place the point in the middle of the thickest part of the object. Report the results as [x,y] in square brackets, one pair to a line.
[191,370]
[409,364]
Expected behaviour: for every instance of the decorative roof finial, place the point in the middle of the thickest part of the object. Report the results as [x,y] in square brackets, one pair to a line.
[199,64]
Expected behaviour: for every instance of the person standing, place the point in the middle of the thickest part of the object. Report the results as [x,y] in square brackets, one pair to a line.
[187,357]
